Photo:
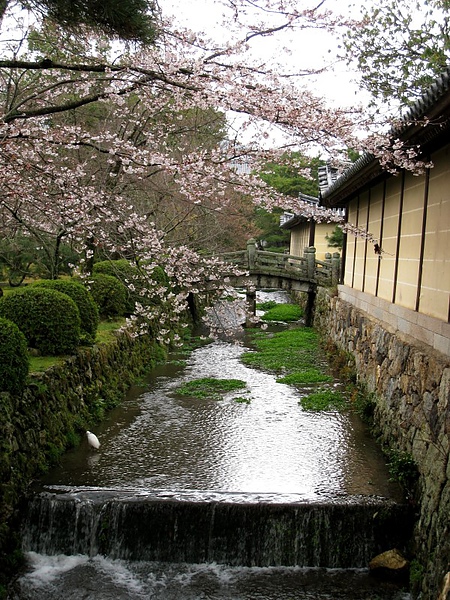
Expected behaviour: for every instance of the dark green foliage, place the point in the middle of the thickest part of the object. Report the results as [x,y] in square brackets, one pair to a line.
[14,360]
[109,294]
[27,256]
[121,269]
[128,274]
[286,176]
[336,238]
[16,258]
[273,237]
[402,468]
[81,296]
[131,20]
[49,319]
[400,49]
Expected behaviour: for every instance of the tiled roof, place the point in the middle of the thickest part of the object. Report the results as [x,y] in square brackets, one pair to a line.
[434,103]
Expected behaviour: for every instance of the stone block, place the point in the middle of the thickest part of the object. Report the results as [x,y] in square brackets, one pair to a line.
[441,344]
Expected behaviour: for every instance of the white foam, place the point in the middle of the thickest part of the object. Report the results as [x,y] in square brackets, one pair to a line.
[45,569]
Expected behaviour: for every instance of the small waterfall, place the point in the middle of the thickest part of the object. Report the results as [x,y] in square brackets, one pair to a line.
[140,526]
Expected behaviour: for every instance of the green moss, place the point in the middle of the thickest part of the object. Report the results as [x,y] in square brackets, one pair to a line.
[38,364]
[241,400]
[283,312]
[416,571]
[286,352]
[266,305]
[209,387]
[107,330]
[324,400]
[305,377]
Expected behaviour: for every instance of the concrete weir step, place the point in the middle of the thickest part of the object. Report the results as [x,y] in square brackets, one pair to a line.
[241,530]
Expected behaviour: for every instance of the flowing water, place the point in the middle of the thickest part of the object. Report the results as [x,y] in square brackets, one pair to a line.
[164,453]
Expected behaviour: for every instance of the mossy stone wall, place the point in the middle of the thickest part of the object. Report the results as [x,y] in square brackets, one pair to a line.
[55,409]
[411,387]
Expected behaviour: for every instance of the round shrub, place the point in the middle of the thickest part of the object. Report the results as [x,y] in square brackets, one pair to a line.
[130,274]
[121,269]
[14,360]
[81,296]
[125,273]
[49,319]
[109,294]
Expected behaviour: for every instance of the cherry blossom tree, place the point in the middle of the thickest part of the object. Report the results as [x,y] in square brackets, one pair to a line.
[95,151]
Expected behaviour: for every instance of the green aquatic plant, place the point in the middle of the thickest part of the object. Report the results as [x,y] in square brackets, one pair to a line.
[210,387]
[305,377]
[283,312]
[241,400]
[268,304]
[286,352]
[325,399]
[402,468]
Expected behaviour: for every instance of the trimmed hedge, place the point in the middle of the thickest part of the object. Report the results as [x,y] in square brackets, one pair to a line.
[130,274]
[109,294]
[87,307]
[14,359]
[124,272]
[49,319]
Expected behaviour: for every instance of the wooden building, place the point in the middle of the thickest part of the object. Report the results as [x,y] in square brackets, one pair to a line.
[403,279]
[306,233]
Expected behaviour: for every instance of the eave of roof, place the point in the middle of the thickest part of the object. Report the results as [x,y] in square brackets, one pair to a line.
[295,220]
[435,106]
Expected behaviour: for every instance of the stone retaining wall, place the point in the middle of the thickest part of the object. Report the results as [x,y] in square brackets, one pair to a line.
[411,386]
[54,411]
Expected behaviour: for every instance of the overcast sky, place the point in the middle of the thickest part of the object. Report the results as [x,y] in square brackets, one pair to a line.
[306,49]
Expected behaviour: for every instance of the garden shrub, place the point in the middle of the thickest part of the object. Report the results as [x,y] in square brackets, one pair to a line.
[125,272]
[130,274]
[109,294]
[14,359]
[49,319]
[121,269]
[83,299]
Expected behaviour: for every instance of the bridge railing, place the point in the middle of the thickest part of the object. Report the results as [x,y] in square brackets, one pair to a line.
[323,272]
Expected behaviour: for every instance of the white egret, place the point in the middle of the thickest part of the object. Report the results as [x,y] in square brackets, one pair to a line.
[93,440]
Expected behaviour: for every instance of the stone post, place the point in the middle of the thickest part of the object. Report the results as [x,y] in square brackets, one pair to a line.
[310,256]
[250,297]
[251,252]
[335,268]
[329,264]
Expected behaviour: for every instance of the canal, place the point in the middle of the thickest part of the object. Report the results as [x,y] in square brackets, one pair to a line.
[253,447]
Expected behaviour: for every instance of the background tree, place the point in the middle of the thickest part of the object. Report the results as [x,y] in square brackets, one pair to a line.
[400,47]
[132,20]
[293,175]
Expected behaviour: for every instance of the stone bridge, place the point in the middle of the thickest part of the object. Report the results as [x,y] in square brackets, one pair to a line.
[283,271]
